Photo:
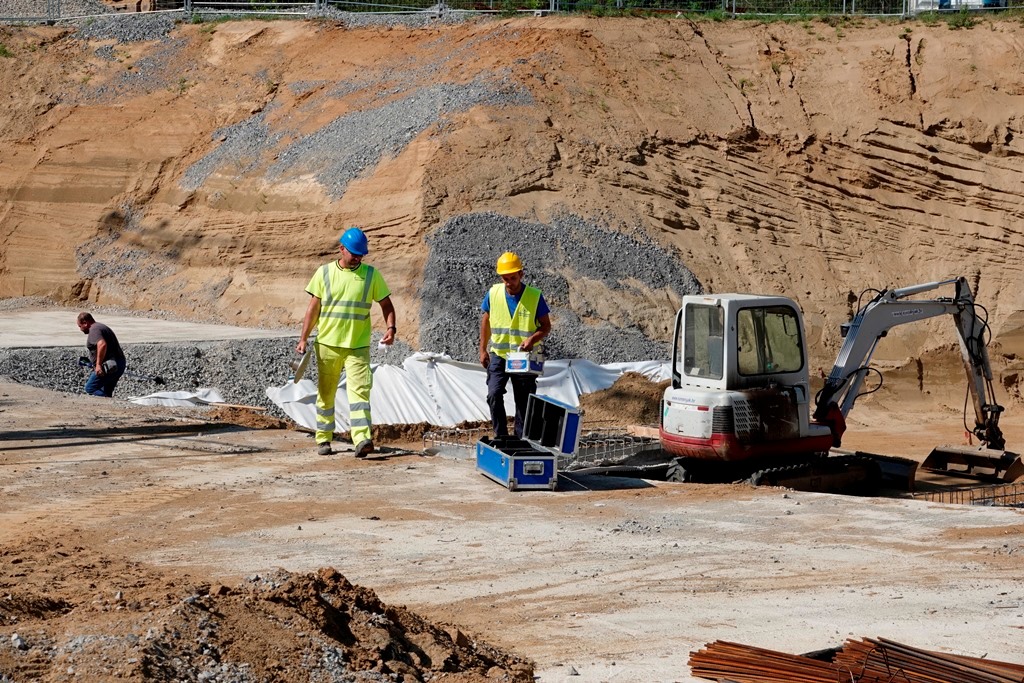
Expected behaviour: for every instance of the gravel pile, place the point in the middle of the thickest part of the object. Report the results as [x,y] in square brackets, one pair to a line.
[241,146]
[36,9]
[460,269]
[432,16]
[347,146]
[78,10]
[240,369]
[340,151]
[123,27]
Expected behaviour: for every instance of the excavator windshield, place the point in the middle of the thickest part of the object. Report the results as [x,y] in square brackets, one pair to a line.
[769,341]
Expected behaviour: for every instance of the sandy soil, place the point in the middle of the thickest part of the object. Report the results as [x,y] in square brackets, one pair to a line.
[809,158]
[114,516]
[812,159]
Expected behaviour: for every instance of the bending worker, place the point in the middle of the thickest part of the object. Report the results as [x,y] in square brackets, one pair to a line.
[342,293]
[515,317]
[105,354]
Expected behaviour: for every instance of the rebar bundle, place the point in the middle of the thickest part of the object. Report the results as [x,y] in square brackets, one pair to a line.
[868,660]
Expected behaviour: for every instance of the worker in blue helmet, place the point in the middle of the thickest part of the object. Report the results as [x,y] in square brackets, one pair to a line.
[341,294]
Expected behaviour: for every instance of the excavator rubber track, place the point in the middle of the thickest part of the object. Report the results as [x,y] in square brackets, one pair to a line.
[848,473]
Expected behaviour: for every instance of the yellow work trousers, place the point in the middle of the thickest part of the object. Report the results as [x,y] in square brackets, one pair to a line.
[330,361]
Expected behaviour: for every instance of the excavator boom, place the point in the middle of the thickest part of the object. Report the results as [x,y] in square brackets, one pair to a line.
[893,307]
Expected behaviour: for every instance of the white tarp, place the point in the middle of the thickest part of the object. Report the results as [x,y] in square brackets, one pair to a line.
[199,397]
[433,388]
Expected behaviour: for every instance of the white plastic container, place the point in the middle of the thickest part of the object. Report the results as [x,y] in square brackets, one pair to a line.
[524,363]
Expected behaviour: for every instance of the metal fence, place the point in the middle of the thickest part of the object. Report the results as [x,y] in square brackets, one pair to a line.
[29,11]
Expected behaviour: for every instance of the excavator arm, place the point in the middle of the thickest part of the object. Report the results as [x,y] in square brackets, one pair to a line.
[893,307]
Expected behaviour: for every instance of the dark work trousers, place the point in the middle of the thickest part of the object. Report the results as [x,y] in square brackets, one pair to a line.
[522,387]
[104,386]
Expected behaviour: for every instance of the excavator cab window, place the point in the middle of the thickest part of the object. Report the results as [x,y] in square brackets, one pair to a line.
[769,341]
[703,341]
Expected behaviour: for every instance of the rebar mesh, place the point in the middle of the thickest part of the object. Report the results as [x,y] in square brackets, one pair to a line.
[994,495]
[606,446]
[447,439]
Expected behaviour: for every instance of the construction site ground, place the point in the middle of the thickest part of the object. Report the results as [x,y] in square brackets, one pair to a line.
[606,579]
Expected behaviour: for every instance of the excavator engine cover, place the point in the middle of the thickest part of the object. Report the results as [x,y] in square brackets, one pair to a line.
[975,461]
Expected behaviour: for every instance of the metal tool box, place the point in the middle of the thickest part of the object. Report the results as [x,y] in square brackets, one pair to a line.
[550,429]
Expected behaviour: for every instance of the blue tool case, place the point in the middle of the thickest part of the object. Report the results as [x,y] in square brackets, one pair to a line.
[550,429]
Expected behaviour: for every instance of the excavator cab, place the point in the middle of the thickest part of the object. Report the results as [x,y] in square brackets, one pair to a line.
[740,389]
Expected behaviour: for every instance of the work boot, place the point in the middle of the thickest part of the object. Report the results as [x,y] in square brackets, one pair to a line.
[364,448]
[324,448]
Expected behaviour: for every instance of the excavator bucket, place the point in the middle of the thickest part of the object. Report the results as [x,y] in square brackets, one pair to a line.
[976,462]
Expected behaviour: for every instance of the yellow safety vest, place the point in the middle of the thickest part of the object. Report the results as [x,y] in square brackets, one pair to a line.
[510,329]
[346,298]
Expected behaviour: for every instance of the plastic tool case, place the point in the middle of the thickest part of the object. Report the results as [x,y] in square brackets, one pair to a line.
[524,363]
[550,429]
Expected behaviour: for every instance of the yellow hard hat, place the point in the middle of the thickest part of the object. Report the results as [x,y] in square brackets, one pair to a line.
[509,263]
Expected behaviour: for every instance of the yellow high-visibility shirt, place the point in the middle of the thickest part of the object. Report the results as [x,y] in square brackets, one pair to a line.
[346,299]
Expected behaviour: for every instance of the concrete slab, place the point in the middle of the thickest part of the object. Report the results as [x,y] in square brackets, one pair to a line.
[57,327]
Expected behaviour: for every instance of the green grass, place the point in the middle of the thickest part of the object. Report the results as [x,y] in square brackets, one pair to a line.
[4,52]
[961,19]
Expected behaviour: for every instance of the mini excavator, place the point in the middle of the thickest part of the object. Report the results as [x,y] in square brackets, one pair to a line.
[739,405]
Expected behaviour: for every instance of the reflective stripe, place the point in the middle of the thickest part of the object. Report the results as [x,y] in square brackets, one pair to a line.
[359,406]
[327,413]
[349,304]
[326,301]
[512,330]
[369,281]
[342,315]
[360,422]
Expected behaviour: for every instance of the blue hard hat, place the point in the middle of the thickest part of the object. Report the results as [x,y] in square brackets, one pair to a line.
[355,241]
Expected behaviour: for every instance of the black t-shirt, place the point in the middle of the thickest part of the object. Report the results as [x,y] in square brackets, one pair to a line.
[100,331]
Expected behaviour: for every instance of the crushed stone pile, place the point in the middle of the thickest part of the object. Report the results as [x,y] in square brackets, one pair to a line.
[240,369]
[569,251]
[37,9]
[69,613]
[124,28]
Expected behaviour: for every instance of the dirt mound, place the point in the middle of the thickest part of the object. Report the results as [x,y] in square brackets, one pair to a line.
[91,616]
[246,417]
[632,400]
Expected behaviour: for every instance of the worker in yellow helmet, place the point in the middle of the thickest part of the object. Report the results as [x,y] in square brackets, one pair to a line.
[515,318]
[341,296]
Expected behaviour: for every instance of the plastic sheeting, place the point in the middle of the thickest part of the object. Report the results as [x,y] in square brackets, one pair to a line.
[199,397]
[433,388]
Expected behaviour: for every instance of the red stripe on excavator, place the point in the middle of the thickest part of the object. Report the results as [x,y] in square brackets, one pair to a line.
[727,447]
